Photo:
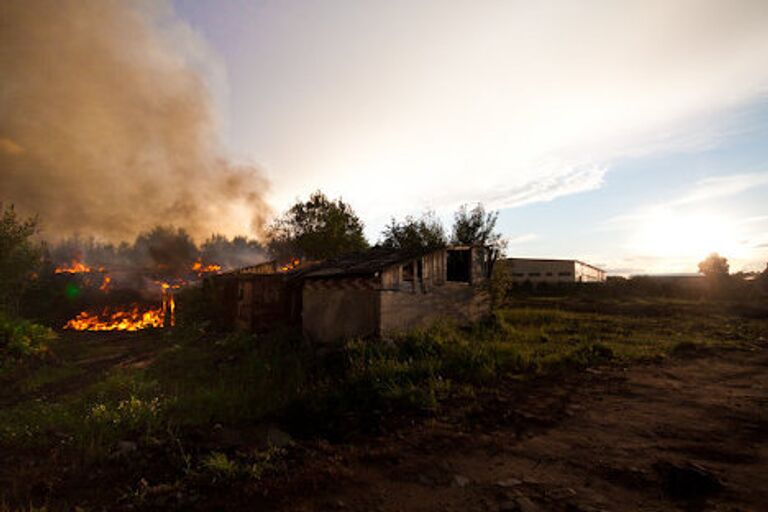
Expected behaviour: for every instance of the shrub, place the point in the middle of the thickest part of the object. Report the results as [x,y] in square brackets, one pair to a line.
[220,467]
[22,338]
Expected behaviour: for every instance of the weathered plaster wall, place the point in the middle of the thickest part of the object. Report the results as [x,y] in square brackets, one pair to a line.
[331,314]
[456,301]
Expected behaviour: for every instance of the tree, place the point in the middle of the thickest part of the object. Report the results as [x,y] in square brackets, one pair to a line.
[19,256]
[476,227]
[762,279]
[318,228]
[422,234]
[714,266]
[165,249]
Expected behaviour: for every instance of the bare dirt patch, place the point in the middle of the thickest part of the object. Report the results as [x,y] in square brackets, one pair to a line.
[686,434]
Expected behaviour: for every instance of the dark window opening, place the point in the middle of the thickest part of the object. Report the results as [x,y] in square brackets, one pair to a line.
[564,274]
[549,273]
[459,265]
[408,272]
[534,274]
[420,270]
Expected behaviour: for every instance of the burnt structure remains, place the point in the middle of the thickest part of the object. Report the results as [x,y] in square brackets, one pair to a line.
[367,294]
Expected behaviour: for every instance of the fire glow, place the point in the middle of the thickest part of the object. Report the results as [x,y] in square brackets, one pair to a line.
[295,262]
[77,267]
[199,268]
[131,318]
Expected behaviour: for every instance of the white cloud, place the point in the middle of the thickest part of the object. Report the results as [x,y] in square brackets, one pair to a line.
[707,189]
[723,186]
[521,239]
[404,105]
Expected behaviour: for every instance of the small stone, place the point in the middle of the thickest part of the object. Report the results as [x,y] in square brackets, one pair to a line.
[460,481]
[509,482]
[561,494]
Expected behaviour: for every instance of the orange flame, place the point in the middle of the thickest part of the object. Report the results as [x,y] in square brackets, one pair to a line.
[295,262]
[105,284]
[132,319]
[77,267]
[200,268]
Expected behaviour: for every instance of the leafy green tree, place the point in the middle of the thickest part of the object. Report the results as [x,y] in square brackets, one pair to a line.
[19,256]
[318,228]
[714,265]
[477,227]
[422,234]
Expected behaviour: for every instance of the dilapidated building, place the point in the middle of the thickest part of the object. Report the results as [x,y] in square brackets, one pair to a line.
[365,294]
[384,291]
[258,298]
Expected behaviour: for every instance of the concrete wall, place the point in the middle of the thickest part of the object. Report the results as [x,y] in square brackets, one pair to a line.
[588,274]
[330,314]
[539,271]
[521,270]
[402,311]
[349,307]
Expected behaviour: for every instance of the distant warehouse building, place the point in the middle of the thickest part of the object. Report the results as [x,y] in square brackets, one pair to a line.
[535,271]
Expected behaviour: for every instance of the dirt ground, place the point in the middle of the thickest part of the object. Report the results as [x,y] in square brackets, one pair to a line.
[686,433]
[93,355]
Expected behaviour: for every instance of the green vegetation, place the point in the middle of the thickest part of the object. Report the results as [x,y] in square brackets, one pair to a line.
[476,226]
[237,379]
[200,384]
[20,338]
[19,256]
[714,265]
[414,234]
[318,228]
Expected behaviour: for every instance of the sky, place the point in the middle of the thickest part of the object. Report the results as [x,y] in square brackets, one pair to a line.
[632,135]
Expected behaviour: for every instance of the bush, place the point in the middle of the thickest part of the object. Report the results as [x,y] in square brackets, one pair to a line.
[22,338]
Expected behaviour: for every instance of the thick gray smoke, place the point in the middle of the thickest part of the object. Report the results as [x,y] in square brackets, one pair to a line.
[106,130]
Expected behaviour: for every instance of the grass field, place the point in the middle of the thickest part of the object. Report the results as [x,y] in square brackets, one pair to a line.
[164,401]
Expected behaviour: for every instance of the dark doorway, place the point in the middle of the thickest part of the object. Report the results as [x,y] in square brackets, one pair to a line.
[459,262]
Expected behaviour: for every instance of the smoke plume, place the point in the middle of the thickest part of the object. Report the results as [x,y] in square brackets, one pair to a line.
[106,129]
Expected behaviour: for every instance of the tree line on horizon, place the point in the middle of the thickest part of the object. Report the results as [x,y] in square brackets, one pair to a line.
[317,228]
[322,228]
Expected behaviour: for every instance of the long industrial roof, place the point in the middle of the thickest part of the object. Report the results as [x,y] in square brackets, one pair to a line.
[556,260]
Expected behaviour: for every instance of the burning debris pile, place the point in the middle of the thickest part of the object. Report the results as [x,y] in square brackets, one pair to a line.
[132,287]
[133,319]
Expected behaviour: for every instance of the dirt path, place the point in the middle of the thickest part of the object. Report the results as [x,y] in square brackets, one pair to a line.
[89,356]
[687,434]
